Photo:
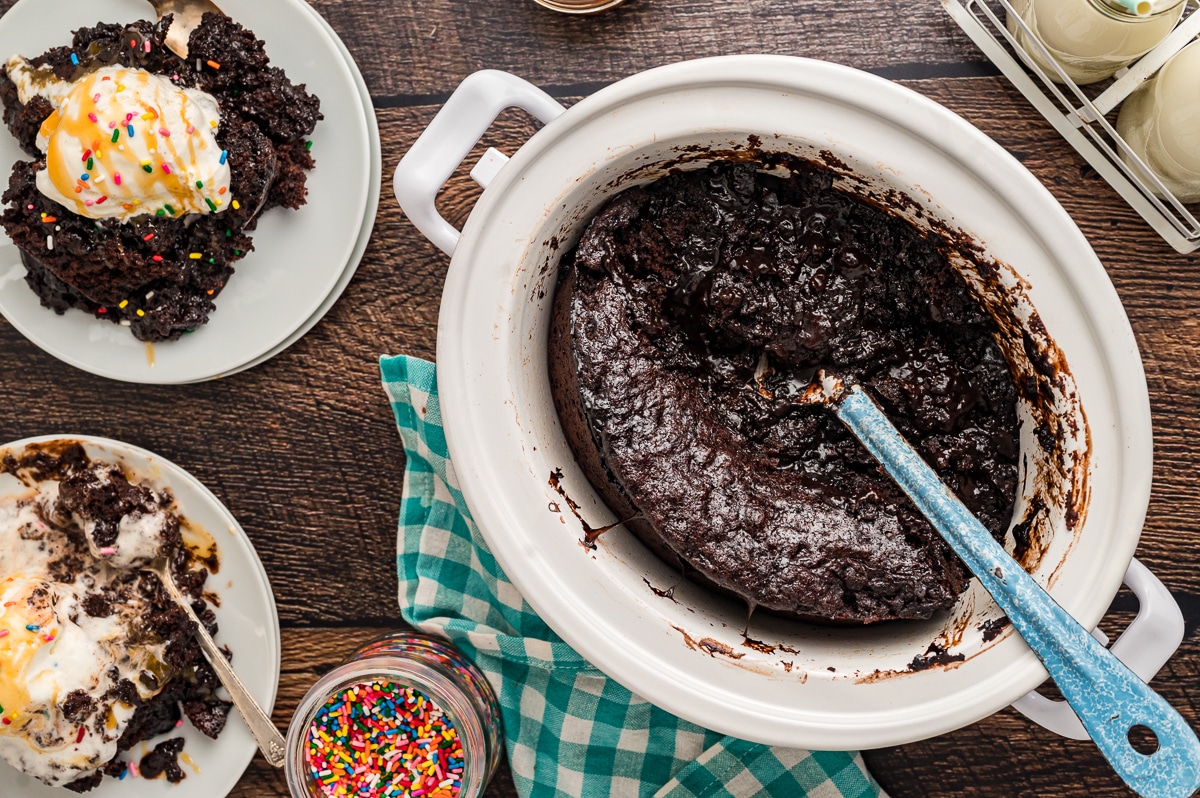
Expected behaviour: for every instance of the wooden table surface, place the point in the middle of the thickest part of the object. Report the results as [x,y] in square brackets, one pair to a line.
[303,449]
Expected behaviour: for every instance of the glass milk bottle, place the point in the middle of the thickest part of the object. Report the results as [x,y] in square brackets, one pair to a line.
[1161,123]
[1092,39]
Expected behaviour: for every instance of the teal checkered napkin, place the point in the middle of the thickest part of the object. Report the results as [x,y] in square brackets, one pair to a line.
[570,730]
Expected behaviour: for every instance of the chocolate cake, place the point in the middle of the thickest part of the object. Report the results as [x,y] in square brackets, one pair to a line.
[687,321]
[155,267]
[124,524]
[124,637]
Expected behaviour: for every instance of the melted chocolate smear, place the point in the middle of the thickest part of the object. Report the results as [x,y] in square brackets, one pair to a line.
[1023,531]
[935,655]
[714,647]
[758,645]
[669,593]
[46,461]
[992,629]
[590,534]
[700,305]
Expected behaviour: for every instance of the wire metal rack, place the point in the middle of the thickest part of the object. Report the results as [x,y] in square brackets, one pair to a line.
[1081,117]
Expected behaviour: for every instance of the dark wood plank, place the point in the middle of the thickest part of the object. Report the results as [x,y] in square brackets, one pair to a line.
[303,449]
[409,49]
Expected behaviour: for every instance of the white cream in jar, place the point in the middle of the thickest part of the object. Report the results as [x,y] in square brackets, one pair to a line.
[1161,123]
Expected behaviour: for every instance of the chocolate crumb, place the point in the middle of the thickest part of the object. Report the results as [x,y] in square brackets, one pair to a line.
[164,759]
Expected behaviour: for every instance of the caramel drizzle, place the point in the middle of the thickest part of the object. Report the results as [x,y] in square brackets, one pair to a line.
[82,121]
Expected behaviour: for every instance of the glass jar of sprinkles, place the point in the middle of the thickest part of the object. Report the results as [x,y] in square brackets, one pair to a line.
[406,716]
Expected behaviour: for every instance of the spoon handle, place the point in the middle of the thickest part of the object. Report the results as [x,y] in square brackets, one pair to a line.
[269,740]
[1108,697]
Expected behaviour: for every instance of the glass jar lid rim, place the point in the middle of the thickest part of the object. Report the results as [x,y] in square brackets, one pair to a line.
[388,668]
[1122,10]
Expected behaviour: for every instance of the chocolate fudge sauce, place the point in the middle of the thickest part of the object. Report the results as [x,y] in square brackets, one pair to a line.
[689,318]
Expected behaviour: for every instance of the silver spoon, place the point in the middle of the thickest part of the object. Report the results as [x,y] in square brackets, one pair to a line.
[1109,698]
[186,18]
[269,740]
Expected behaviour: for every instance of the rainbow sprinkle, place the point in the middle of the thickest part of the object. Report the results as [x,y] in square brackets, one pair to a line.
[383,740]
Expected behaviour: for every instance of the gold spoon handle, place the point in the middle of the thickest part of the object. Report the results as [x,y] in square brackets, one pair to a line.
[269,740]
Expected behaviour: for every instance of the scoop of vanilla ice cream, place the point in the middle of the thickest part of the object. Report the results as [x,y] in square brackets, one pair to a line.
[140,538]
[72,632]
[27,543]
[125,142]
[143,529]
[51,650]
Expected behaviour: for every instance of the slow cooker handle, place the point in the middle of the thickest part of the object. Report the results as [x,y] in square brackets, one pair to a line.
[451,135]
[1145,646]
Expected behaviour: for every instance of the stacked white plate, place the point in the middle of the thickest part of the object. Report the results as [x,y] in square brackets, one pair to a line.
[302,260]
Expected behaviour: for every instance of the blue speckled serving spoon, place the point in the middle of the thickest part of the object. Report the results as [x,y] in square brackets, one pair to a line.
[1108,697]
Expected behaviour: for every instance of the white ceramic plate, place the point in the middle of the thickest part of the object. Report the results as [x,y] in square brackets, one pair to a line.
[364,235]
[299,256]
[247,621]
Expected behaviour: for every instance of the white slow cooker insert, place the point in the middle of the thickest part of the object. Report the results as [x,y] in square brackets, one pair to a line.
[819,687]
